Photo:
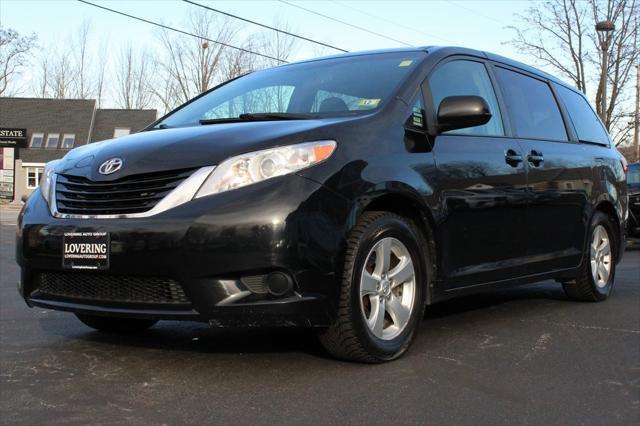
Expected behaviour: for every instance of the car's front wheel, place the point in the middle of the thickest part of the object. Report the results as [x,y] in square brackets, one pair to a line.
[116,325]
[382,295]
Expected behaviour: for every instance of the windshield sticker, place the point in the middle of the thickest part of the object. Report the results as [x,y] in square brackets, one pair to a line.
[369,102]
[405,63]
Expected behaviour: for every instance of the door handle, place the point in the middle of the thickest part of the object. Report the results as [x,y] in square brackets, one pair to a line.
[535,157]
[512,158]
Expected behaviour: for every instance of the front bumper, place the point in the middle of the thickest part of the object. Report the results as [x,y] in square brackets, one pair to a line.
[208,247]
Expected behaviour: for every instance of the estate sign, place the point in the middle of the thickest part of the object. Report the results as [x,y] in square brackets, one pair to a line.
[13,138]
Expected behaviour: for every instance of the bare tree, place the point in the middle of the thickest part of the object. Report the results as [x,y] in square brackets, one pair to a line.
[165,94]
[40,82]
[71,69]
[54,75]
[100,75]
[83,84]
[561,34]
[278,45]
[236,63]
[623,56]
[15,51]
[190,65]
[132,79]
[57,74]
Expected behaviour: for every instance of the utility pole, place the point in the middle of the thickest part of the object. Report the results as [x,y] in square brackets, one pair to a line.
[636,117]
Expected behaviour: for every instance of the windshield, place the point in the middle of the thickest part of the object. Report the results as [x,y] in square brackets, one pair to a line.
[323,88]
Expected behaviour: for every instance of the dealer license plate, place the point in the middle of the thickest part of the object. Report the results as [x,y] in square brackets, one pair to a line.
[85,250]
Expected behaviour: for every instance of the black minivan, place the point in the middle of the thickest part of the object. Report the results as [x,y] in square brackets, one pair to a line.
[344,193]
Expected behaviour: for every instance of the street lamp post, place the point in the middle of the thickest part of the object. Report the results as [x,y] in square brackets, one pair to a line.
[605,28]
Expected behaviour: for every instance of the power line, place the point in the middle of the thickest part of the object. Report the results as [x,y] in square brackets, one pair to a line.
[476,12]
[265,26]
[388,20]
[157,24]
[344,23]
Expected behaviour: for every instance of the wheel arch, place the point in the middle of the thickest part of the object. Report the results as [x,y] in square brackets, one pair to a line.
[608,208]
[409,205]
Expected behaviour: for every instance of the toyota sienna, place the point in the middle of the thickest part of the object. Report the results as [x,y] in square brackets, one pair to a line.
[344,193]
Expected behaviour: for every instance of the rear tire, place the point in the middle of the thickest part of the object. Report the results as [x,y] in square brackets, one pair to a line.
[382,297]
[597,273]
[116,325]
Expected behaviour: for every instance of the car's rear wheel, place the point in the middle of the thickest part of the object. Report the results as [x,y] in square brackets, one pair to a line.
[597,273]
[116,325]
[382,295]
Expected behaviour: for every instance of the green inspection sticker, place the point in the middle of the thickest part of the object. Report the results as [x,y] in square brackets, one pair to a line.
[405,63]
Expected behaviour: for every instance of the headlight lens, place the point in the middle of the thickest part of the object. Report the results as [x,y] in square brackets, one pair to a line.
[45,180]
[254,167]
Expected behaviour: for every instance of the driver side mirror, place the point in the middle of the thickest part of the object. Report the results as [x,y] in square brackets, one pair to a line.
[459,112]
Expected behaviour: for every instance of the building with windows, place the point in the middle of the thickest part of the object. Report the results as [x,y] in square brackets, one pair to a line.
[49,128]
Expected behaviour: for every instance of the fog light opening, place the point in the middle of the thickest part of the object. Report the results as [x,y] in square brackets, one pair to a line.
[278,284]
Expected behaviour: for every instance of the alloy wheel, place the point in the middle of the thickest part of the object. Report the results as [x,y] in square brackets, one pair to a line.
[600,256]
[387,288]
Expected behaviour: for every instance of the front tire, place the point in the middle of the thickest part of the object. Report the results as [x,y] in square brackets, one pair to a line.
[116,325]
[382,296]
[597,273]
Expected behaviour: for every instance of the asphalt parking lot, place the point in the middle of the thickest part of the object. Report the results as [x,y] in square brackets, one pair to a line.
[518,356]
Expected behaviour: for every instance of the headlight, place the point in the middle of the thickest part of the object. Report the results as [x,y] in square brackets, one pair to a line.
[254,167]
[45,180]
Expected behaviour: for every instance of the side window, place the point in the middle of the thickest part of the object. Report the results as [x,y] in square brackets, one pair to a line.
[460,78]
[534,110]
[52,140]
[585,120]
[68,140]
[36,140]
[33,177]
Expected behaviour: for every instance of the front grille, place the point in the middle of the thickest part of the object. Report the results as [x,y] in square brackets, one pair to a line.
[133,194]
[107,288]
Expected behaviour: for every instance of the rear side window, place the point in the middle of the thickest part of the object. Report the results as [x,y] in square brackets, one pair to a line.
[534,110]
[467,78]
[586,122]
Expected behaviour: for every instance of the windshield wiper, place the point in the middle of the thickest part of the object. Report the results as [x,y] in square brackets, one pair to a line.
[259,116]
[275,116]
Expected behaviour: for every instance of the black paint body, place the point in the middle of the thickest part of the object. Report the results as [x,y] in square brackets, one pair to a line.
[633,224]
[491,223]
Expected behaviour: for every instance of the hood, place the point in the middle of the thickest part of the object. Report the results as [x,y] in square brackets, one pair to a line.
[190,147]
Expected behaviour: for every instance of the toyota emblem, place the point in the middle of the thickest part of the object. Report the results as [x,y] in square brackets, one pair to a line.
[110,166]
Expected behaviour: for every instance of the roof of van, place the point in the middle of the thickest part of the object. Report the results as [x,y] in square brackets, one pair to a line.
[452,50]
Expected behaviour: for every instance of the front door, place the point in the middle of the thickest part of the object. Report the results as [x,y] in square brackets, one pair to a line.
[481,186]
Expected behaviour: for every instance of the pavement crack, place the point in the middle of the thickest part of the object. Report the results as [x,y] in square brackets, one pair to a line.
[540,346]
[585,327]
